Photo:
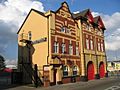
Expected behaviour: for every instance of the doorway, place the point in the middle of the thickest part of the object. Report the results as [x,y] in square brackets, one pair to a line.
[102,70]
[90,71]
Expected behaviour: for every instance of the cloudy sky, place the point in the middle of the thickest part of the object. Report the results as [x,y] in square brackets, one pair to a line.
[13,13]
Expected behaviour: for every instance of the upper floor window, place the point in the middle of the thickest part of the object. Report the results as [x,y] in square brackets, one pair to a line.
[65,30]
[87,26]
[29,35]
[65,71]
[70,49]
[87,43]
[91,44]
[102,47]
[77,51]
[98,46]
[56,47]
[63,48]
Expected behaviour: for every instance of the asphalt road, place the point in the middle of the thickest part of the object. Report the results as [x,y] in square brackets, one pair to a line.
[111,83]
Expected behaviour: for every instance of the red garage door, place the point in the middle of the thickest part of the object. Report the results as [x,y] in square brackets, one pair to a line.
[90,71]
[102,70]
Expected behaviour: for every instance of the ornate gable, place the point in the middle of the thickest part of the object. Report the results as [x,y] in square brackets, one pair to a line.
[100,23]
[64,22]
[89,16]
[64,11]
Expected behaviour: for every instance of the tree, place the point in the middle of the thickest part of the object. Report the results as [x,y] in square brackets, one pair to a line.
[2,62]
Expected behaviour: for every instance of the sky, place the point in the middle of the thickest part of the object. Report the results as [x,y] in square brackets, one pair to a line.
[13,13]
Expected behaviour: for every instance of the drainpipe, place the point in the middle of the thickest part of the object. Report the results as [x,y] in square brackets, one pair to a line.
[97,76]
[83,78]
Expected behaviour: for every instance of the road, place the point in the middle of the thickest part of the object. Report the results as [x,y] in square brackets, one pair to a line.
[111,83]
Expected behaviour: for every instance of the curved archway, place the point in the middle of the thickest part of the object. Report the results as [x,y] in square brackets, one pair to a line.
[90,70]
[101,70]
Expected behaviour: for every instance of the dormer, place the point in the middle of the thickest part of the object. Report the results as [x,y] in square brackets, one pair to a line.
[98,21]
[85,15]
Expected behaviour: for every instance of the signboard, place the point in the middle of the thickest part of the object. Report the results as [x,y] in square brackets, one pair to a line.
[39,40]
[46,68]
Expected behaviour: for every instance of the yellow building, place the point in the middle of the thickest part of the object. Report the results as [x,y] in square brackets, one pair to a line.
[66,47]
[113,66]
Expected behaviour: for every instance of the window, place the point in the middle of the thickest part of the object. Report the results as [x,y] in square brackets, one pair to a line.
[68,30]
[102,47]
[63,48]
[91,44]
[65,71]
[74,70]
[63,29]
[29,35]
[87,26]
[56,47]
[70,50]
[87,43]
[98,46]
[77,51]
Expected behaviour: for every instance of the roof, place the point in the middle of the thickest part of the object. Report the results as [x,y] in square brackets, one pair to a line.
[96,19]
[81,14]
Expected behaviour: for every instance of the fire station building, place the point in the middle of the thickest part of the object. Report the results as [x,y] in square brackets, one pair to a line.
[66,47]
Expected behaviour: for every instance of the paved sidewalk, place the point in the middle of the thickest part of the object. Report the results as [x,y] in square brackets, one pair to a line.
[90,85]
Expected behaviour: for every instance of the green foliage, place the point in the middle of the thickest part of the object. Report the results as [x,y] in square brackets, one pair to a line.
[2,62]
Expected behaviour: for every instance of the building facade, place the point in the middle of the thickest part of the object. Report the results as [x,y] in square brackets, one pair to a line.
[113,66]
[66,47]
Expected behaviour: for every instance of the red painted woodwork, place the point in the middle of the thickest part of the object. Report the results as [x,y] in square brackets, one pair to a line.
[102,70]
[90,71]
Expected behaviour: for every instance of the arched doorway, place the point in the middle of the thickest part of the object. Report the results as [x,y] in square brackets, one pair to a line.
[102,70]
[90,71]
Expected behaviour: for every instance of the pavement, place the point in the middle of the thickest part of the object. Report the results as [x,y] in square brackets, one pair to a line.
[110,83]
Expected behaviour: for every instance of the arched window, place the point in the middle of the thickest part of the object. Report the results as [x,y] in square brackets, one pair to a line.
[75,70]
[29,35]
[65,71]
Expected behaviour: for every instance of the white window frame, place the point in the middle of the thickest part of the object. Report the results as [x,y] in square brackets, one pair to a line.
[87,44]
[91,44]
[56,47]
[63,48]
[63,29]
[29,35]
[102,47]
[75,69]
[77,50]
[70,49]
[98,46]
[65,71]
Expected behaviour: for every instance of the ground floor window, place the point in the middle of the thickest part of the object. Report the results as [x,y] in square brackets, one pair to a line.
[65,71]
[75,70]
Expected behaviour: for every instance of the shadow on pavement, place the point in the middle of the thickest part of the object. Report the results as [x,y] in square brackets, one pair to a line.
[8,86]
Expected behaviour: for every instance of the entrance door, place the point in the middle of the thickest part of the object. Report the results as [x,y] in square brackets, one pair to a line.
[90,71]
[55,72]
[102,70]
